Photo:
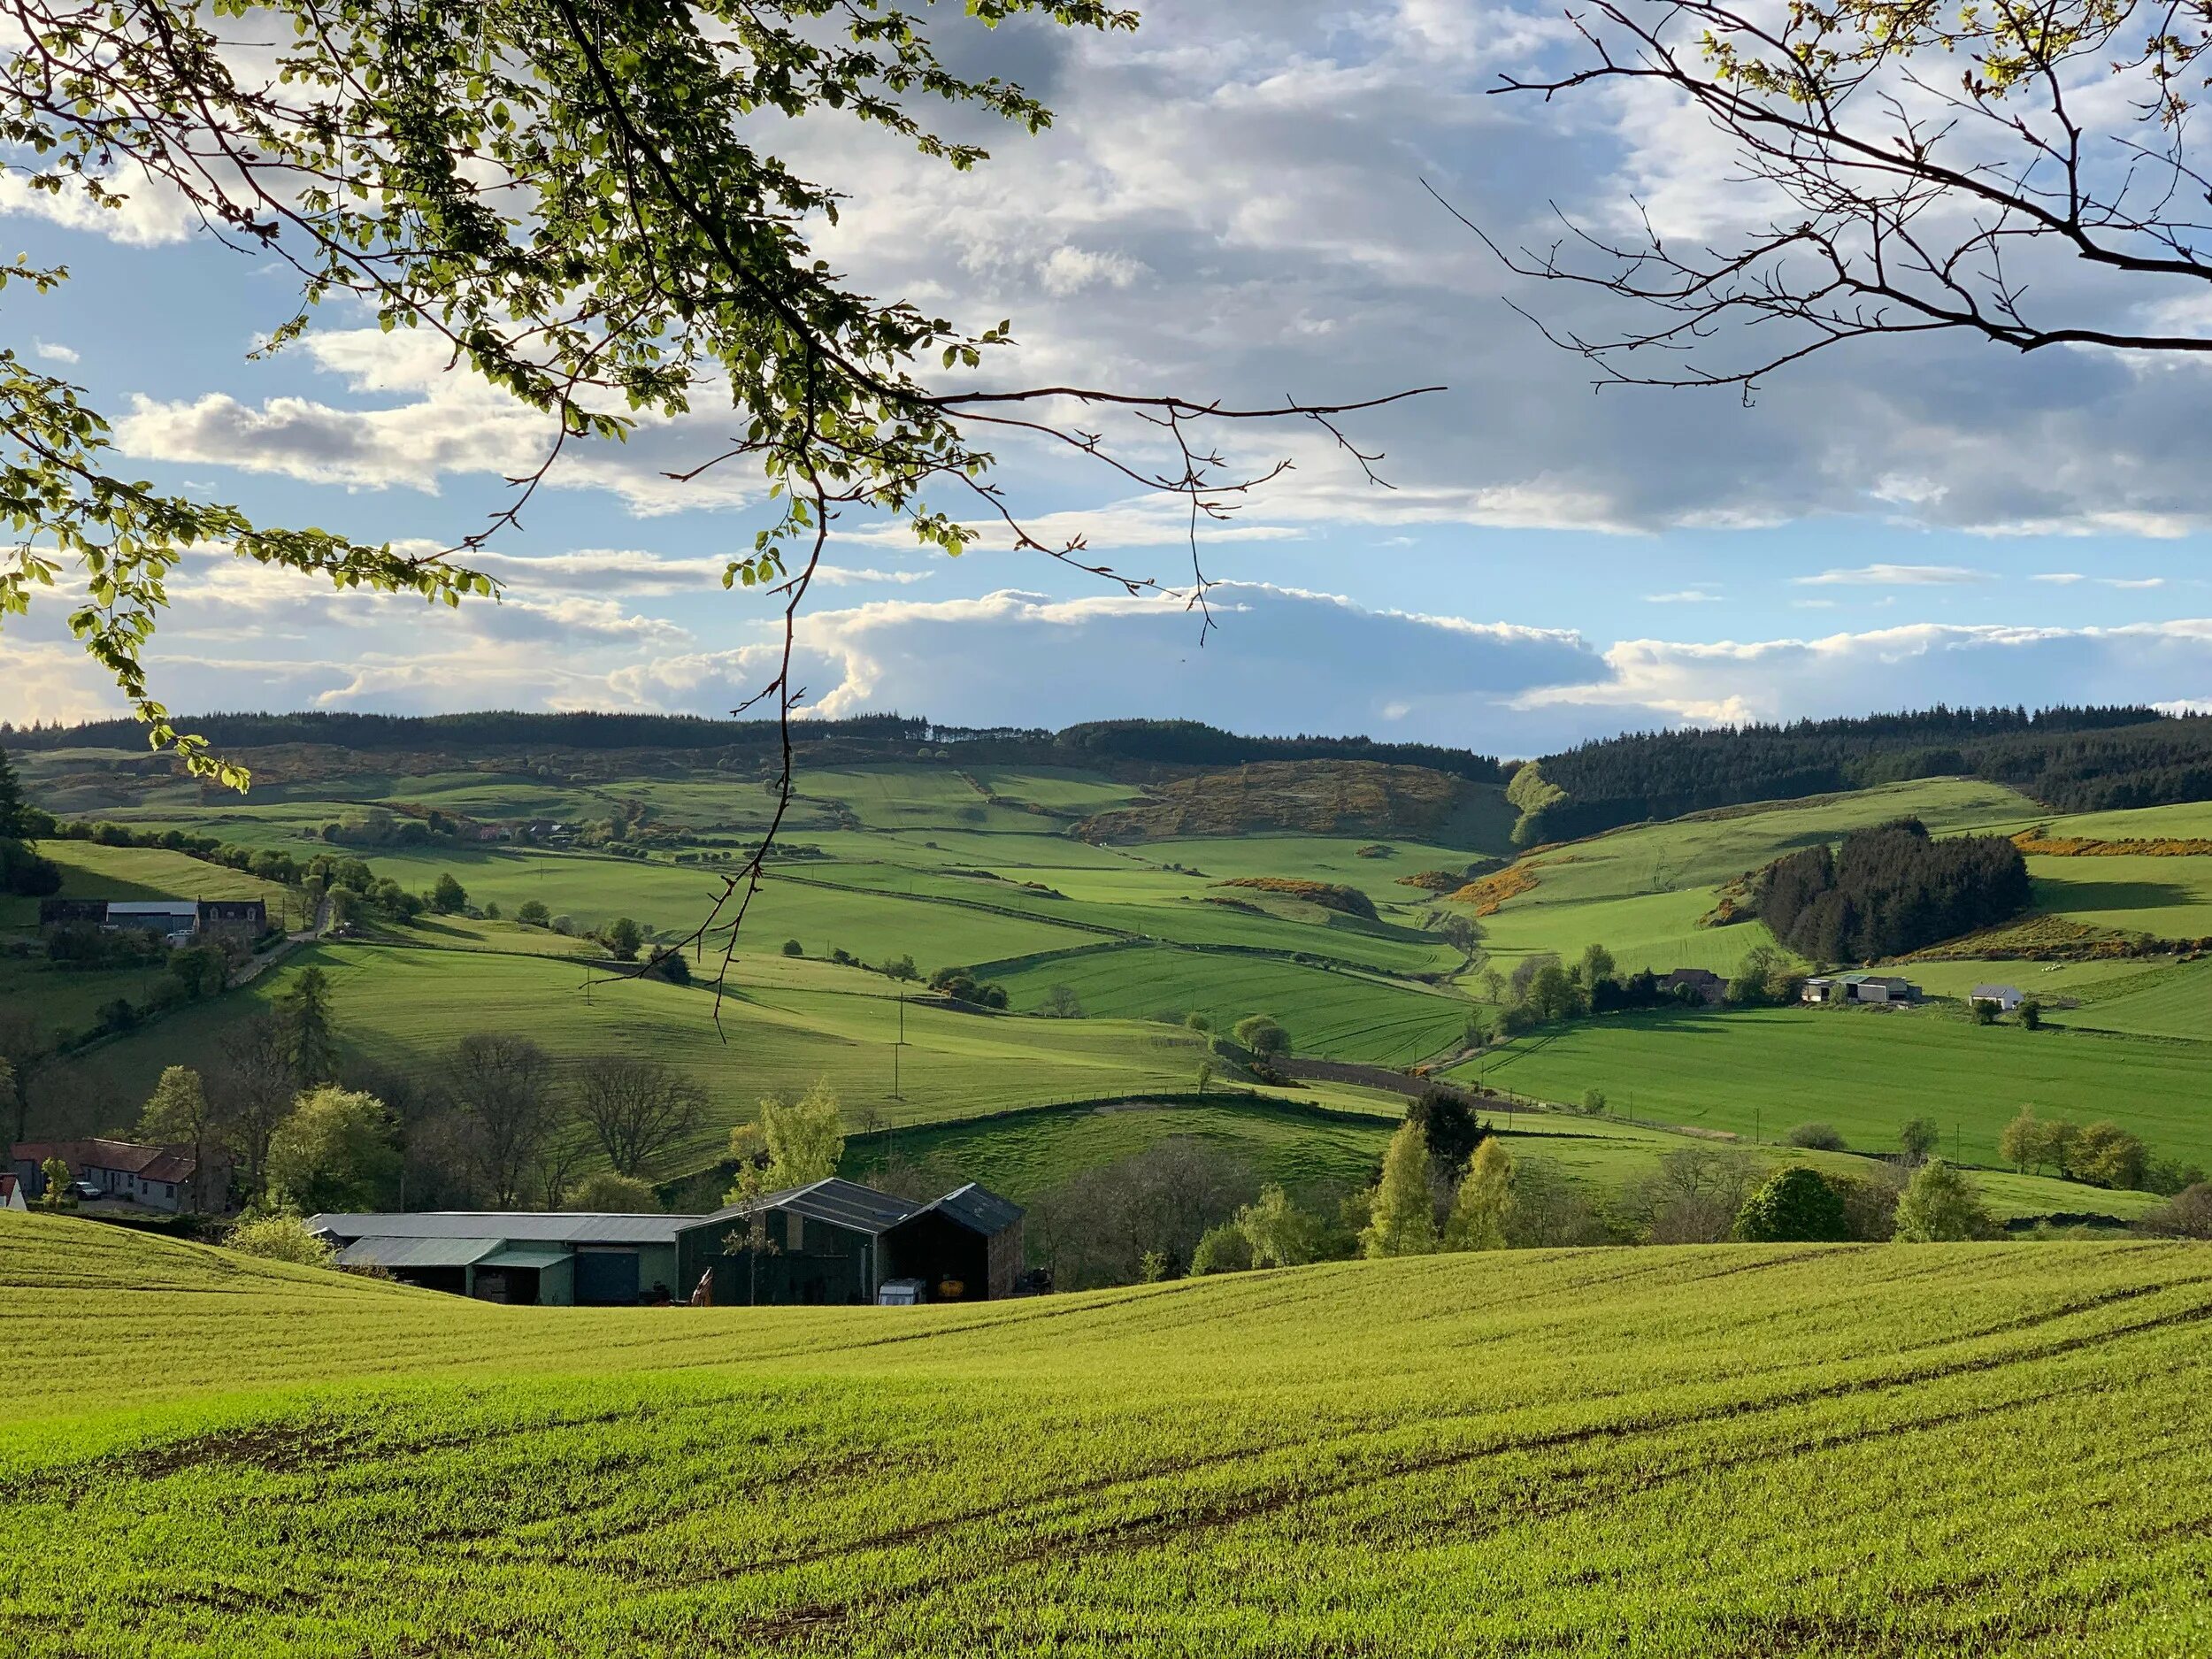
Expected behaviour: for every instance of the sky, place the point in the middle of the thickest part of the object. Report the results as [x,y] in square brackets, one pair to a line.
[1233,203]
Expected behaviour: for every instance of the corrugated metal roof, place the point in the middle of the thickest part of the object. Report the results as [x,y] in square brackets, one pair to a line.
[523,1227]
[515,1255]
[977,1208]
[401,1253]
[154,907]
[842,1204]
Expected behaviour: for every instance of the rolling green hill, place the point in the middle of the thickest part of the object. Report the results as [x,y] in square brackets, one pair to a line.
[1708,1454]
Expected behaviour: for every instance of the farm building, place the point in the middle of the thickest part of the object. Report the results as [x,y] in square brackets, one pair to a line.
[2007,997]
[12,1193]
[838,1241]
[1702,983]
[159,1177]
[1878,990]
[178,921]
[552,1260]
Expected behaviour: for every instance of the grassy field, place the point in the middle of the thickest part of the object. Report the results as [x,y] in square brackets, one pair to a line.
[1695,1454]
[1867,1071]
[2168,898]
[1334,1014]
[797,1023]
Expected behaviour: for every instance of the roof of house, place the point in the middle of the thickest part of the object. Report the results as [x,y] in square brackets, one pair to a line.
[1993,990]
[419,1252]
[126,1157]
[975,1208]
[153,907]
[1699,975]
[515,1226]
[842,1204]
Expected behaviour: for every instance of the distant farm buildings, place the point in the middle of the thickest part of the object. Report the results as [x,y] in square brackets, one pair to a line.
[2005,998]
[1882,990]
[177,921]
[832,1242]
[1701,983]
[159,1177]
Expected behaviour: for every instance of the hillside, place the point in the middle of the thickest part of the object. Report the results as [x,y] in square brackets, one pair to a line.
[1900,1450]
[1317,798]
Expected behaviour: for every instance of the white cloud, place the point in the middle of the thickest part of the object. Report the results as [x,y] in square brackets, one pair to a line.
[152,215]
[2061,578]
[1686,596]
[53,352]
[1895,576]
[2136,583]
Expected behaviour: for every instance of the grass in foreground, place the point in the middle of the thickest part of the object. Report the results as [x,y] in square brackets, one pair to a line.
[1886,1450]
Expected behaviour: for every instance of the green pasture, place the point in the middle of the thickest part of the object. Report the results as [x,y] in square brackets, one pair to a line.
[2048,981]
[1316,858]
[2168,898]
[1331,1014]
[1866,1072]
[779,1032]
[1716,1453]
[2174,1000]
[2190,820]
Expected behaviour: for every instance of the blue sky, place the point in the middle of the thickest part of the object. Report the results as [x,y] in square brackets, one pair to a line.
[1230,204]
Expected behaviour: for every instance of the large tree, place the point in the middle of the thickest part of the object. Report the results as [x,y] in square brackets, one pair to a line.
[1903,167]
[503,1086]
[636,1109]
[177,1114]
[252,1089]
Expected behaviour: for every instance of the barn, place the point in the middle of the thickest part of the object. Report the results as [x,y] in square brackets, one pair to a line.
[835,1242]
[554,1259]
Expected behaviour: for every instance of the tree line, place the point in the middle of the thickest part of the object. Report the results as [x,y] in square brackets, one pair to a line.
[2074,760]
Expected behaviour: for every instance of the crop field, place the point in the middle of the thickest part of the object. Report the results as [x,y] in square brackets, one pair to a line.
[1334,1014]
[2189,820]
[1867,1071]
[1695,1453]
[2174,1000]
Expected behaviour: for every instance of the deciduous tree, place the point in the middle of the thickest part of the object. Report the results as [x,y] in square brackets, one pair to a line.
[1941,1204]
[177,1114]
[503,1086]
[1484,1203]
[636,1109]
[1403,1220]
[334,1151]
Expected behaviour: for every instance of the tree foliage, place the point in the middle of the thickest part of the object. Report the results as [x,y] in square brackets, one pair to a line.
[1941,1204]
[280,1236]
[504,1089]
[177,1114]
[1890,890]
[1795,1206]
[1403,1221]
[1483,1207]
[333,1152]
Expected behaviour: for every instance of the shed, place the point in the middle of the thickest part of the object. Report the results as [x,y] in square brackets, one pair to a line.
[965,1246]
[815,1244]
[2007,997]
[551,1257]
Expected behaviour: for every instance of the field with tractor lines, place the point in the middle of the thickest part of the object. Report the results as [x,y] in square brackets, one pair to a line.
[1709,1452]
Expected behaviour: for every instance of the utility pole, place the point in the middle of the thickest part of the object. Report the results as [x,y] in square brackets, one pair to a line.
[895,1046]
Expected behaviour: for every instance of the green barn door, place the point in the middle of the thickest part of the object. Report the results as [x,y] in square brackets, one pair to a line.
[606,1278]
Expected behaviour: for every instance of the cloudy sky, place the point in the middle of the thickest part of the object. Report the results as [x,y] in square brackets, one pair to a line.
[1231,204]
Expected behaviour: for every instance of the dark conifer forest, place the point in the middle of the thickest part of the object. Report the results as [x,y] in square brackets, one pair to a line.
[1887,891]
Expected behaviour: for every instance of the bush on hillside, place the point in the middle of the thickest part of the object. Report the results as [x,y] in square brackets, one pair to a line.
[607,1194]
[2186,1215]
[280,1236]
[1941,1205]
[1816,1137]
[1222,1249]
[1797,1206]
[1262,1034]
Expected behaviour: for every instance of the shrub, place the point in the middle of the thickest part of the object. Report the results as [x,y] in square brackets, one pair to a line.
[2186,1215]
[533,913]
[793,948]
[1918,1138]
[2031,1014]
[607,1193]
[1221,1249]
[1985,1013]
[1816,1138]
[1593,1101]
[1262,1033]
[1796,1207]
[1941,1205]
[2105,1155]
[280,1237]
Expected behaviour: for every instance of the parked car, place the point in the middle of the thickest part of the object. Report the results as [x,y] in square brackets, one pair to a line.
[87,1189]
